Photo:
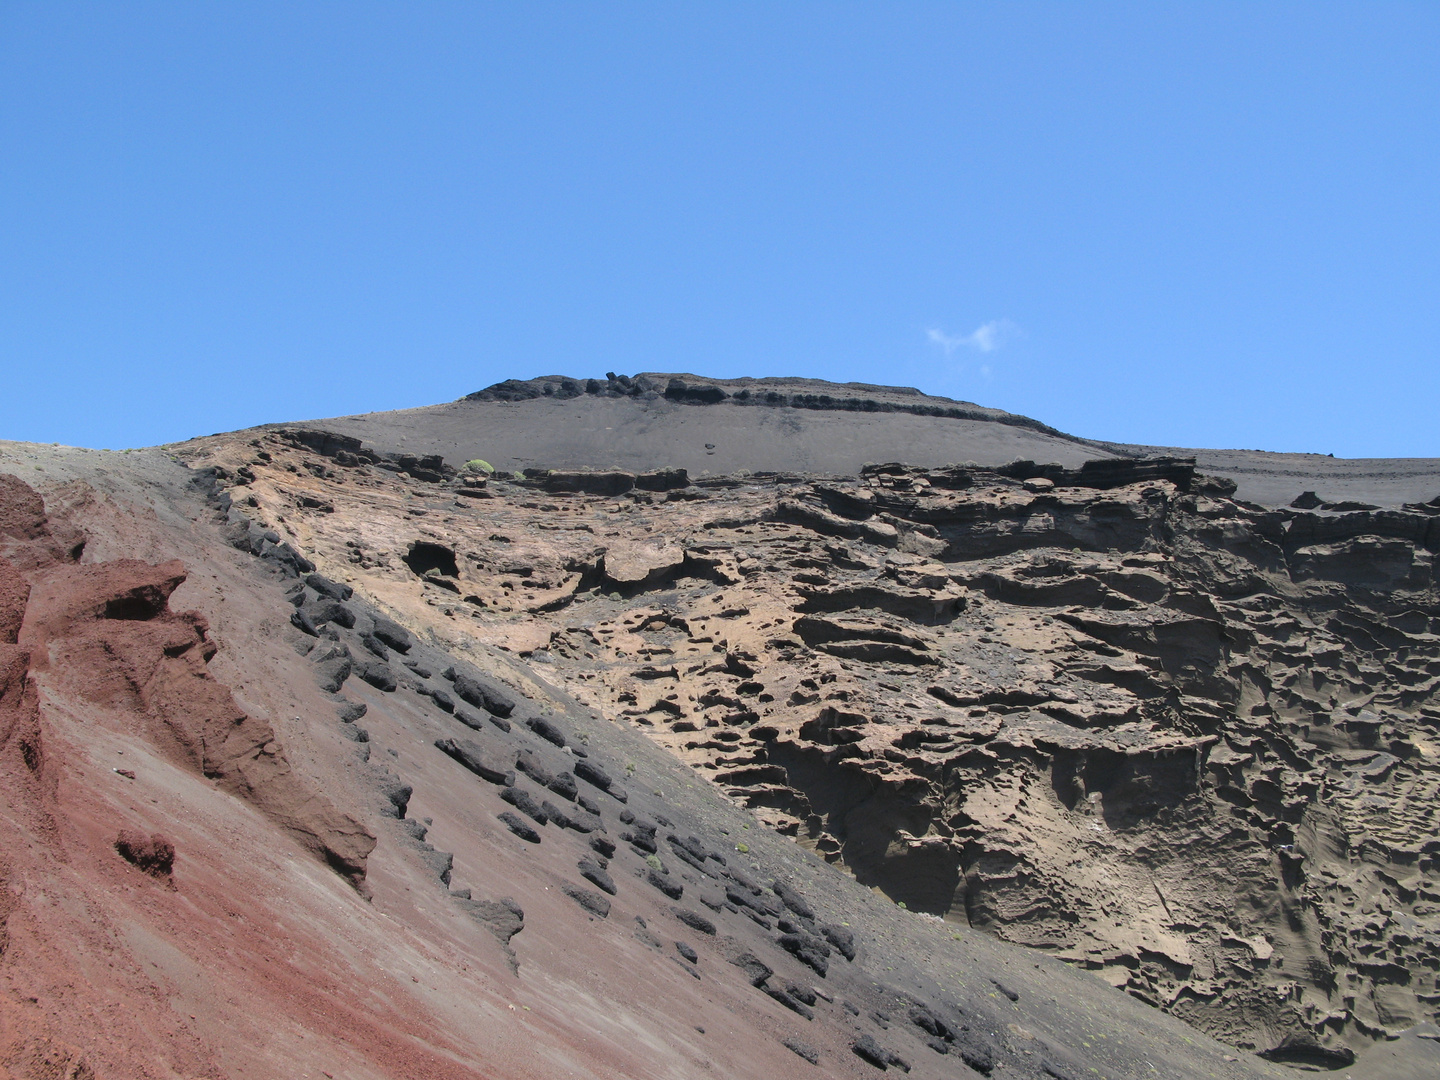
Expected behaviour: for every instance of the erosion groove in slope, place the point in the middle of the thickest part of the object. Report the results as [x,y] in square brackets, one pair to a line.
[1184,741]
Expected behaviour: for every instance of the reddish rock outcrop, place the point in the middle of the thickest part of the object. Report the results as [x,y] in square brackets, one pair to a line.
[27,536]
[105,630]
[152,854]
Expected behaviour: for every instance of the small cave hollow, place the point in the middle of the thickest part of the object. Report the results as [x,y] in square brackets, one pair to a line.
[425,556]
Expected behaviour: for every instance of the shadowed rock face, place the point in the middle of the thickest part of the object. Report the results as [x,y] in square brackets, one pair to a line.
[1104,711]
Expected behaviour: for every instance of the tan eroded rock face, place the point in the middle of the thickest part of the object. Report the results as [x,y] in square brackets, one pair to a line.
[1178,739]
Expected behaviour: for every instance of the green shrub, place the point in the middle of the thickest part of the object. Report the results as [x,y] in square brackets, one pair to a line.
[479,465]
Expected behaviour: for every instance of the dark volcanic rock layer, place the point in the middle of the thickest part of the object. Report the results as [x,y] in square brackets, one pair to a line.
[1105,711]
[711,427]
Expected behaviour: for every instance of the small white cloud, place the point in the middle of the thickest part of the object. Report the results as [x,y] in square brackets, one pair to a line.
[986,338]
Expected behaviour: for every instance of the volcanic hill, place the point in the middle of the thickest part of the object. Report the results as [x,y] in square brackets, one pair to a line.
[658,726]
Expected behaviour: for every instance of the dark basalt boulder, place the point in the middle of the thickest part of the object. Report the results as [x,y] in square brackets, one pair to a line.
[483,696]
[531,766]
[673,889]
[330,611]
[504,918]
[377,674]
[396,796]
[523,801]
[789,1001]
[868,1050]
[589,483]
[744,898]
[509,390]
[331,674]
[518,826]
[546,730]
[694,920]
[663,480]
[804,1049]
[976,1051]
[811,952]
[841,938]
[592,902]
[792,899]
[559,817]
[804,994]
[687,856]
[755,969]
[929,1023]
[643,843]
[603,846]
[596,874]
[350,711]
[325,443]
[563,784]
[1107,473]
[393,635]
[583,822]
[153,854]
[679,391]
[334,590]
[593,774]
[483,763]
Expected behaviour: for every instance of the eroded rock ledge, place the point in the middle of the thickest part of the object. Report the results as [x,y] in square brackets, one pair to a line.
[764,393]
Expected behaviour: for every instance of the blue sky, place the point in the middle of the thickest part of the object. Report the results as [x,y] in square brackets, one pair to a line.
[1194,224]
